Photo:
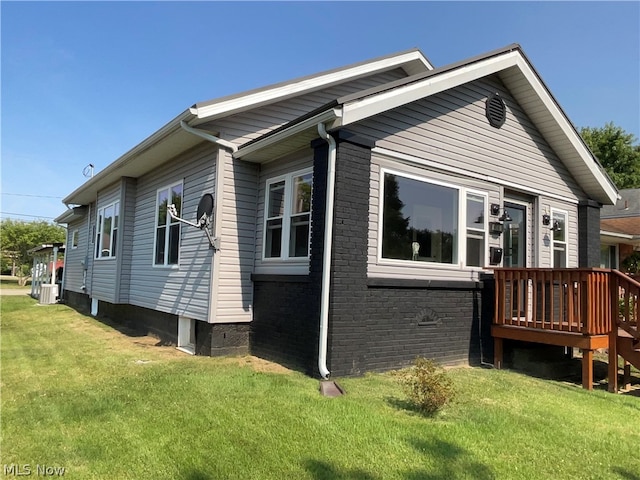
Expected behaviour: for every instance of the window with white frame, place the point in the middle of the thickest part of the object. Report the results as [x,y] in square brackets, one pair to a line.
[422,221]
[107,230]
[288,216]
[608,256]
[75,238]
[167,231]
[559,230]
[476,230]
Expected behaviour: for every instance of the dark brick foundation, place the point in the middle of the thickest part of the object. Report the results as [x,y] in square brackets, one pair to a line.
[78,301]
[212,339]
[285,324]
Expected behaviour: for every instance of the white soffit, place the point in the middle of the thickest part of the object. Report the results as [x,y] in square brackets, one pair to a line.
[413,62]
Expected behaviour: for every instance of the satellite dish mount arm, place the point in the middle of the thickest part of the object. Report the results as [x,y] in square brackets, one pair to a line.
[204,223]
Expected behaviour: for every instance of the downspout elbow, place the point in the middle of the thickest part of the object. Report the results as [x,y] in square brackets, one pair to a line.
[326,257]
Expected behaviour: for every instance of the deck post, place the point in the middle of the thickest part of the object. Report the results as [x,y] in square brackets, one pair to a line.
[613,335]
[497,352]
[587,369]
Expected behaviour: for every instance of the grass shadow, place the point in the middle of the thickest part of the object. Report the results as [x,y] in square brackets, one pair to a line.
[451,461]
[408,406]
[324,471]
[626,474]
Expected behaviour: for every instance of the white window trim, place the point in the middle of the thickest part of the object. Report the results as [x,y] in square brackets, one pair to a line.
[98,230]
[155,228]
[75,238]
[286,217]
[564,213]
[461,226]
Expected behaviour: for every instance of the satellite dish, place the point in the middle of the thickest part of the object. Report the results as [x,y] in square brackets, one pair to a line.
[205,208]
[204,215]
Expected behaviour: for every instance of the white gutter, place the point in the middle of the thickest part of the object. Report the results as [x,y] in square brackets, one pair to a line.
[326,256]
[208,136]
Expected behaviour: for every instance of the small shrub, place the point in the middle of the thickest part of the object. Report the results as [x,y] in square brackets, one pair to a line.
[427,385]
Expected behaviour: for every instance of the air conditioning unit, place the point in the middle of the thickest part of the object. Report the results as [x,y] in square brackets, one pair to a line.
[48,294]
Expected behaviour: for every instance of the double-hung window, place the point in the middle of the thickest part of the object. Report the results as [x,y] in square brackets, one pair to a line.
[288,216]
[476,230]
[424,221]
[107,230]
[75,238]
[167,230]
[559,229]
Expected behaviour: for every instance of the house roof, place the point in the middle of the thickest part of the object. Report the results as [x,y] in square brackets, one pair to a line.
[626,225]
[515,71]
[628,205]
[171,139]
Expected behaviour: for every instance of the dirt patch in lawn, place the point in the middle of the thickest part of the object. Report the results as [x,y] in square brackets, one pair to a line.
[260,364]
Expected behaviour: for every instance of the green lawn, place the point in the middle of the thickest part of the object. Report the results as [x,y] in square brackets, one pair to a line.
[80,395]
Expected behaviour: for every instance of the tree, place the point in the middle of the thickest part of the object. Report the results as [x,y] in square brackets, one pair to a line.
[17,237]
[615,150]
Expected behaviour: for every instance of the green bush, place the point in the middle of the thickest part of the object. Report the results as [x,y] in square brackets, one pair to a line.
[427,386]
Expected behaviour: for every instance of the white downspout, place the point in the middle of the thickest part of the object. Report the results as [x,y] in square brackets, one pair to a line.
[326,257]
[208,136]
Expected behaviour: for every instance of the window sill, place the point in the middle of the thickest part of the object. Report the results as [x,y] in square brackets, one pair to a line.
[414,283]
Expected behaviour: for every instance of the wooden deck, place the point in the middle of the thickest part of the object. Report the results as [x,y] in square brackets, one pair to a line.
[580,308]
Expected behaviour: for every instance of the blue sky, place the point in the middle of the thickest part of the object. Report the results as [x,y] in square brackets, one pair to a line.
[84,82]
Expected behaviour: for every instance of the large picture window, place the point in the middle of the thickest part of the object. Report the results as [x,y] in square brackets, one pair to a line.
[288,216]
[107,230]
[420,221]
[167,238]
[424,221]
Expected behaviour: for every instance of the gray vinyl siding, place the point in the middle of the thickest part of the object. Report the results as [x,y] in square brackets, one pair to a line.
[246,126]
[451,129]
[237,243]
[183,289]
[125,243]
[105,281]
[292,163]
[74,258]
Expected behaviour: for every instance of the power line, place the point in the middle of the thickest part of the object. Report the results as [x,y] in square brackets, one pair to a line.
[27,195]
[23,215]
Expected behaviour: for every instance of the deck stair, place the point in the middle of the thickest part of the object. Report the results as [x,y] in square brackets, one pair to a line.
[585,308]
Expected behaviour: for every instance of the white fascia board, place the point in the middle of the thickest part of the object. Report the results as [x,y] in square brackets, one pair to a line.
[567,129]
[269,95]
[376,104]
[327,116]
[616,235]
[367,107]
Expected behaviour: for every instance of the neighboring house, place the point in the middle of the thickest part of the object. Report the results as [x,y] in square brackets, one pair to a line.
[620,229]
[356,210]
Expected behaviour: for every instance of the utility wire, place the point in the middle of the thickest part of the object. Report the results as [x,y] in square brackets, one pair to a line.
[27,195]
[23,215]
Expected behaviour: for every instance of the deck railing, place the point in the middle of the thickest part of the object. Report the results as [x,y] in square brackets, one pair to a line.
[564,300]
[625,304]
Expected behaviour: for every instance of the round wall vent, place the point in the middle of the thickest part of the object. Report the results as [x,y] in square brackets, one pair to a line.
[496,110]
